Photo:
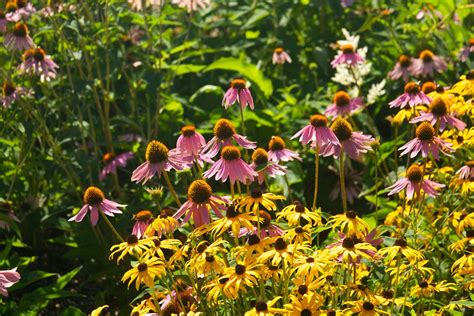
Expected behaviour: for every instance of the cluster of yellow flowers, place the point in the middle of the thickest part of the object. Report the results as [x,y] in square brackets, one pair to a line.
[264,258]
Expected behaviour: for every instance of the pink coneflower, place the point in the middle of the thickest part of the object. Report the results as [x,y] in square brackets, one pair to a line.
[352,143]
[239,92]
[11,93]
[190,142]
[414,182]
[158,159]
[25,8]
[138,4]
[267,228]
[318,132]
[7,279]
[346,3]
[466,172]
[200,200]
[263,166]
[429,12]
[36,61]
[347,55]
[413,96]
[113,161]
[3,21]
[95,201]
[428,87]
[343,105]
[224,133]
[426,142]
[19,39]
[401,69]
[467,50]
[278,152]
[439,114]
[370,238]
[142,220]
[192,5]
[11,12]
[280,56]
[230,165]
[427,64]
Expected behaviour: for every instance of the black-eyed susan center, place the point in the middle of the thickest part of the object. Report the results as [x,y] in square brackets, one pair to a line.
[230,153]
[428,87]
[438,106]
[142,267]
[348,243]
[156,152]
[8,89]
[267,219]
[188,130]
[318,120]
[256,193]
[415,173]
[166,212]
[276,143]
[299,207]
[143,216]
[210,258]
[224,129]
[368,306]
[342,128]
[387,294]
[470,75]
[260,156]
[310,260]
[341,98]
[199,192]
[401,242]
[261,307]
[423,284]
[202,247]
[93,196]
[425,131]
[108,157]
[404,61]
[351,214]
[280,244]
[347,48]
[253,240]
[240,269]
[412,88]
[132,240]
[299,230]
[20,30]
[231,212]
[426,55]
[238,84]
[306,312]
[303,289]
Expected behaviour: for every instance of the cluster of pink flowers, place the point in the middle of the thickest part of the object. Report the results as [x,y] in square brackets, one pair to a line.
[424,66]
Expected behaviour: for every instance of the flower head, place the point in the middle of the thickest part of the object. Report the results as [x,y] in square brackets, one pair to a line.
[113,161]
[262,165]
[280,56]
[142,220]
[192,5]
[224,133]
[347,55]
[190,142]
[320,134]
[11,93]
[401,69]
[343,105]
[158,159]
[144,272]
[413,182]
[427,64]
[439,114]
[95,202]
[426,142]
[19,39]
[352,143]
[7,279]
[277,151]
[239,92]
[467,50]
[200,199]
[413,96]
[35,61]
[231,166]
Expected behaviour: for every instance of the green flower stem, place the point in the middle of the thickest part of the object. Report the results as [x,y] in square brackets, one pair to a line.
[170,186]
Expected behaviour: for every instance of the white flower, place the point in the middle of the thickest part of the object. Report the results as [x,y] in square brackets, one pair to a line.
[376,91]
[353,40]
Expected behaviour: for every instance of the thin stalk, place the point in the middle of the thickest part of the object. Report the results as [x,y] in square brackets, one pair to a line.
[316,176]
[112,228]
[170,186]
[343,182]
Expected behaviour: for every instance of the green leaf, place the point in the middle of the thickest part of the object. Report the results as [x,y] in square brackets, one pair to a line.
[249,71]
[65,279]
[72,311]
[29,277]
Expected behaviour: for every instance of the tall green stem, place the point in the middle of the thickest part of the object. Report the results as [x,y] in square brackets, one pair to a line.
[170,186]
[316,176]
[343,182]
[112,228]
